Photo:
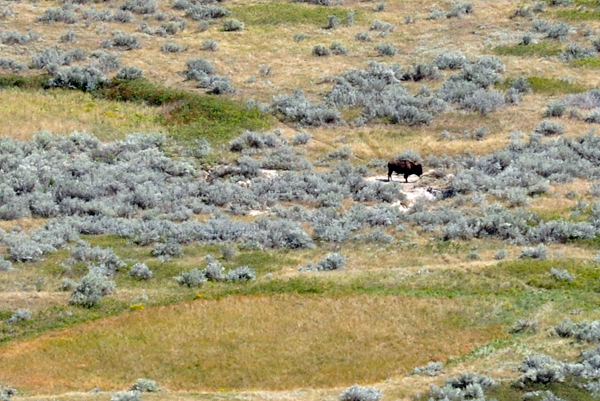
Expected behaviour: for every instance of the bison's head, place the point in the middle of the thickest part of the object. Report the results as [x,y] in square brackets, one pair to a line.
[417,169]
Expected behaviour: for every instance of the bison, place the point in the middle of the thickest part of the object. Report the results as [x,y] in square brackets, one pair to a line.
[404,167]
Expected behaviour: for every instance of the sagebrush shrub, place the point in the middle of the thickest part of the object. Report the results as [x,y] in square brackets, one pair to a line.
[560,274]
[125,41]
[91,289]
[332,261]
[129,73]
[575,51]
[363,37]
[12,65]
[140,6]
[140,271]
[172,48]
[555,109]
[210,45]
[127,396]
[303,137]
[192,278]
[333,22]
[241,273]
[65,14]
[450,61]
[20,315]
[538,252]
[6,393]
[82,78]
[360,393]
[386,49]
[145,386]
[338,49]
[169,249]
[433,368]
[70,36]
[232,25]
[547,127]
[320,51]
[459,9]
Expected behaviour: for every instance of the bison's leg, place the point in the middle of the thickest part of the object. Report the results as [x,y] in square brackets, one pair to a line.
[406,177]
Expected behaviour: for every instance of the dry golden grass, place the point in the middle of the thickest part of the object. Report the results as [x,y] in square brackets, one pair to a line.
[266,342]
[25,112]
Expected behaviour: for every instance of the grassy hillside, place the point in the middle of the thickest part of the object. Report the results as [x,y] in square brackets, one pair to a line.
[196,193]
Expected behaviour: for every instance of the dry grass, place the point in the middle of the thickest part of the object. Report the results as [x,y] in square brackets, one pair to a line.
[295,341]
[26,112]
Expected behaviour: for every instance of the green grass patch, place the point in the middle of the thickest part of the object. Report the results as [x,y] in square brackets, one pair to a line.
[189,115]
[570,389]
[554,86]
[185,115]
[289,14]
[578,15]
[592,62]
[535,273]
[542,49]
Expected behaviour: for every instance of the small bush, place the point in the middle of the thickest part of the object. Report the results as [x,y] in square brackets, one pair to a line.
[123,40]
[145,386]
[338,49]
[333,22]
[168,249]
[501,254]
[172,48]
[320,51]
[382,26]
[538,252]
[332,261]
[12,65]
[140,271]
[122,16]
[232,25]
[65,15]
[82,78]
[241,273]
[450,61]
[210,45]
[555,109]
[359,393]
[69,37]
[91,289]
[302,138]
[459,9]
[140,6]
[574,51]
[129,73]
[431,369]
[6,393]
[561,274]
[524,326]
[547,128]
[386,49]
[299,37]
[127,396]
[363,37]
[21,315]
[192,278]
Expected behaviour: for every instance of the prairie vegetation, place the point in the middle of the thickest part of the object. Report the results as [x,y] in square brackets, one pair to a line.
[194,203]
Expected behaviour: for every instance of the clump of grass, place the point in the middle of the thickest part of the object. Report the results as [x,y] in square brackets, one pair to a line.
[542,49]
[290,14]
[554,86]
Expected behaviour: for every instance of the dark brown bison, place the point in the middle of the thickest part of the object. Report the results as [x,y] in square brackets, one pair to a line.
[404,167]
